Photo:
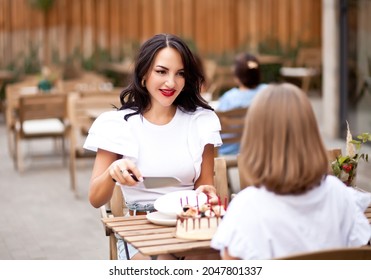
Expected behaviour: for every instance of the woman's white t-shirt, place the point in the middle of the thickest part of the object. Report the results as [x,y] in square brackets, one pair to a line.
[262,225]
[174,149]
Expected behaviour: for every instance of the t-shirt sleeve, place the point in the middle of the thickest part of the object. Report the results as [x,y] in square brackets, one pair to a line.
[204,129]
[111,132]
[208,128]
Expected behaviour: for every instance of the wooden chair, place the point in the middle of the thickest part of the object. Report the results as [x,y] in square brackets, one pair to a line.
[40,116]
[232,125]
[116,206]
[357,253]
[12,94]
[307,66]
[80,121]
[221,178]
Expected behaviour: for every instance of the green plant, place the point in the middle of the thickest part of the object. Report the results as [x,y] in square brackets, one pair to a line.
[345,166]
[43,5]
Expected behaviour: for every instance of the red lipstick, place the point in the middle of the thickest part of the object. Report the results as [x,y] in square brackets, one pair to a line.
[168,92]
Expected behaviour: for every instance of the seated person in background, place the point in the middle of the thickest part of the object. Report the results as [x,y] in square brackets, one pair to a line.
[247,76]
[290,205]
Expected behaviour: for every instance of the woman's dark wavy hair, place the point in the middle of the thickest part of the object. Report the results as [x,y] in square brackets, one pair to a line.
[137,98]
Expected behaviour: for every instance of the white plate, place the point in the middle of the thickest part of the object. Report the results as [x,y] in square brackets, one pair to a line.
[161,219]
[171,204]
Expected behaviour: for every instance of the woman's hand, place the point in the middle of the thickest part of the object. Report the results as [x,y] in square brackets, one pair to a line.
[125,172]
[210,191]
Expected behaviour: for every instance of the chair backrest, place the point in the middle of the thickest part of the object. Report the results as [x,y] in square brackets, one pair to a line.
[232,124]
[117,202]
[80,121]
[78,106]
[309,57]
[41,107]
[357,253]
[12,93]
[220,178]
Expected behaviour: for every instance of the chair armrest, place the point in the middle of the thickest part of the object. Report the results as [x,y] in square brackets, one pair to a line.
[103,211]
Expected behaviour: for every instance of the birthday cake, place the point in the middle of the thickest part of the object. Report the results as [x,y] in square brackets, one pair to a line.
[199,223]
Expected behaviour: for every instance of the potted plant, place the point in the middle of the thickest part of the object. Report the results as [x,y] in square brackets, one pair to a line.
[345,166]
[47,79]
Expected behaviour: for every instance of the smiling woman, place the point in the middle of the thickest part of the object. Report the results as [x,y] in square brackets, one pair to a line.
[163,128]
[164,82]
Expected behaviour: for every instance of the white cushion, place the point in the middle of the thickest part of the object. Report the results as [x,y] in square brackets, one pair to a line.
[44,126]
[28,90]
[298,71]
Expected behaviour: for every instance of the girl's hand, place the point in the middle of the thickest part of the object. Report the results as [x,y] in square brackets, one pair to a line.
[210,191]
[125,172]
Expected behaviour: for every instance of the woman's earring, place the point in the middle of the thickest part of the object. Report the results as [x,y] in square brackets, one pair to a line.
[143,83]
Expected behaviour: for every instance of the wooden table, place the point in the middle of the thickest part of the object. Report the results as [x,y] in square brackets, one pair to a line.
[153,240]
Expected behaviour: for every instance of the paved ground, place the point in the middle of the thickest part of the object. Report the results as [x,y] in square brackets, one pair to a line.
[40,217]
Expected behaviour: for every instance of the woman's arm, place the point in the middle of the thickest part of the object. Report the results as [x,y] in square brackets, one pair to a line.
[205,182]
[207,167]
[107,168]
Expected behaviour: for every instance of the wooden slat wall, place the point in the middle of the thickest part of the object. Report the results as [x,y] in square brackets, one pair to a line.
[215,26]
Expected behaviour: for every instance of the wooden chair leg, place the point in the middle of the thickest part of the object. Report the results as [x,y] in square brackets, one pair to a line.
[18,155]
[14,150]
[305,84]
[72,167]
[113,247]
[64,161]
[11,142]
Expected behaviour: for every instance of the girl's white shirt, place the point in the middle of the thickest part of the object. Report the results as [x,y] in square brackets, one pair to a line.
[174,149]
[262,225]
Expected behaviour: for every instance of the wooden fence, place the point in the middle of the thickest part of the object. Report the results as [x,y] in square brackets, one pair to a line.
[115,28]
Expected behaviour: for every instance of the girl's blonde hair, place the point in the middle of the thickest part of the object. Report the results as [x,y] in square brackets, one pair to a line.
[281,147]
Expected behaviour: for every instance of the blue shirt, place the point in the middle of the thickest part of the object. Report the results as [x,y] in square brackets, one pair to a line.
[235,98]
[231,99]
